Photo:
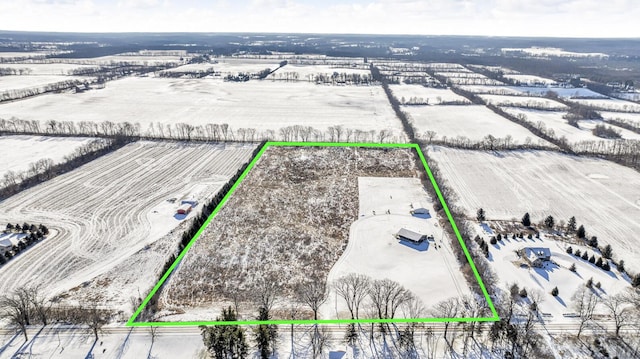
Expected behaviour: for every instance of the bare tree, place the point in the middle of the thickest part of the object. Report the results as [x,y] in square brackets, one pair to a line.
[620,310]
[313,294]
[94,318]
[16,308]
[387,296]
[584,302]
[353,288]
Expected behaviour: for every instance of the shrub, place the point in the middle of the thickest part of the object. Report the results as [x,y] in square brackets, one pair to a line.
[555,292]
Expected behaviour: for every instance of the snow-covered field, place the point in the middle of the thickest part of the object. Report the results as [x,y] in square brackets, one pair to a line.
[603,196]
[630,96]
[634,117]
[532,91]
[8,83]
[610,104]
[229,66]
[430,270]
[530,79]
[22,55]
[524,101]
[553,51]
[18,152]
[262,105]
[45,69]
[422,94]
[110,209]
[473,122]
[553,120]
[309,72]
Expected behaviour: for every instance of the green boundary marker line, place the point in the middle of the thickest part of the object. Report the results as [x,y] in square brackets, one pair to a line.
[495,317]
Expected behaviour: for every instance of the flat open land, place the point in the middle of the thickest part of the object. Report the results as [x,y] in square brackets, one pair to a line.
[553,120]
[9,83]
[309,72]
[426,95]
[524,101]
[20,151]
[262,105]
[109,209]
[602,195]
[610,104]
[291,219]
[45,69]
[473,122]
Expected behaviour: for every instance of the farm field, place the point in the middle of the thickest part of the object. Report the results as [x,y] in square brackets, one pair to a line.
[229,66]
[18,152]
[530,79]
[524,101]
[262,105]
[610,104]
[425,95]
[301,208]
[531,91]
[634,117]
[309,72]
[603,196]
[105,212]
[10,83]
[45,69]
[553,120]
[473,122]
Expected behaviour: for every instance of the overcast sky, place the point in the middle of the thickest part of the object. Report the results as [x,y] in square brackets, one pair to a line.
[559,18]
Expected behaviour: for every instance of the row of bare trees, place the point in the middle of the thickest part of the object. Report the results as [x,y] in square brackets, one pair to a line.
[188,132]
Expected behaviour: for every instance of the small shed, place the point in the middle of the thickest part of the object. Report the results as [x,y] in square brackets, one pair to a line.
[409,235]
[418,208]
[537,255]
[184,209]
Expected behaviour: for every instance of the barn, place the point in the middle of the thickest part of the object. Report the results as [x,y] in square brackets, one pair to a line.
[409,235]
[184,209]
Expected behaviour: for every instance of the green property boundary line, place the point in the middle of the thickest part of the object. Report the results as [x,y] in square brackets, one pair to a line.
[132,321]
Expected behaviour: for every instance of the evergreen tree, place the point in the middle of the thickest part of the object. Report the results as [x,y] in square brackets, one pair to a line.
[555,292]
[526,220]
[571,225]
[573,267]
[589,283]
[499,236]
[9,227]
[523,293]
[585,256]
[607,251]
[598,285]
[514,290]
[480,215]
[569,250]
[621,266]
[493,240]
[549,222]
[265,335]
[577,253]
[530,236]
[17,227]
[225,341]
[581,232]
[599,262]
[25,226]
[636,281]
[592,259]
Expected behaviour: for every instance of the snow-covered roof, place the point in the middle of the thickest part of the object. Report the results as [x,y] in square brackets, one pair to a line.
[410,235]
[537,252]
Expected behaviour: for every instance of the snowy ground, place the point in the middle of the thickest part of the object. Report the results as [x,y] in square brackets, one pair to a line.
[473,122]
[506,263]
[432,96]
[263,105]
[309,72]
[531,90]
[20,151]
[553,120]
[109,210]
[529,79]
[524,101]
[630,96]
[9,83]
[553,51]
[229,66]
[45,69]
[634,117]
[610,104]
[429,272]
[602,195]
